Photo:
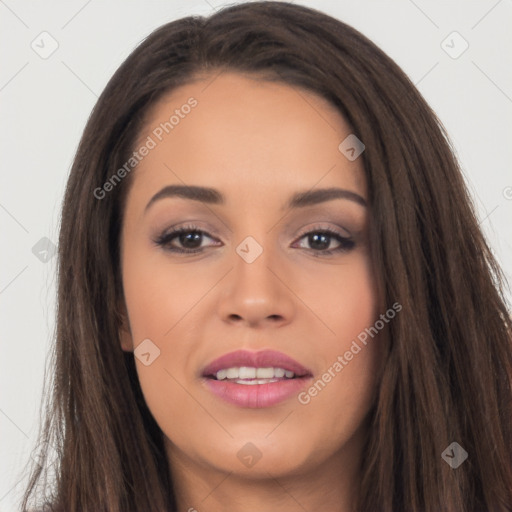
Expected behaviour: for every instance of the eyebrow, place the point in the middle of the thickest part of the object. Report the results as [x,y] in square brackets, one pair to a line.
[298,200]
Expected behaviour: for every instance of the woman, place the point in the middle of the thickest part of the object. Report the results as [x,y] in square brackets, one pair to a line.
[273,290]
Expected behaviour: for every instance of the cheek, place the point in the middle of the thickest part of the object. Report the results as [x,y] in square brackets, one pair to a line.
[342,297]
[159,294]
[345,299]
[163,302]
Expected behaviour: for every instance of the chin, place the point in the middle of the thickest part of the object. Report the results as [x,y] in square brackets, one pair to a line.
[258,457]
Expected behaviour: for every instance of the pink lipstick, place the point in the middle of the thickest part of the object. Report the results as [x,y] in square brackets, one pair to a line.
[255,379]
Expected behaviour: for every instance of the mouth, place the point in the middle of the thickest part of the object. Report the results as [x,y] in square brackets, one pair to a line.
[250,375]
[255,379]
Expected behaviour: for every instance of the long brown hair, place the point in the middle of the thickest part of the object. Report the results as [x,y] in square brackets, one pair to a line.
[448,371]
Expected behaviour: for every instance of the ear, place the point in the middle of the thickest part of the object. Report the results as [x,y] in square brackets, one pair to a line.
[125,335]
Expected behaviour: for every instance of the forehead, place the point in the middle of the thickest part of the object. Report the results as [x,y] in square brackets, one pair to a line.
[229,128]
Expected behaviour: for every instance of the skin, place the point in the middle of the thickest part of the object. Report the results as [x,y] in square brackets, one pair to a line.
[257,143]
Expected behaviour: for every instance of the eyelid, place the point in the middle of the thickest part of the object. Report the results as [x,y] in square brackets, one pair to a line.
[191,225]
[345,233]
[210,233]
[185,228]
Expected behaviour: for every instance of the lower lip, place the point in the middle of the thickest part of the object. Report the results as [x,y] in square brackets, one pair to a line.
[256,395]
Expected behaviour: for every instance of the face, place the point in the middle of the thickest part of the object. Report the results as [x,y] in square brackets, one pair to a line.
[256,267]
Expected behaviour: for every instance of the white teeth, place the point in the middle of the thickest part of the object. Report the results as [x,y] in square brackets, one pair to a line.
[247,373]
[256,374]
[232,373]
[279,372]
[265,373]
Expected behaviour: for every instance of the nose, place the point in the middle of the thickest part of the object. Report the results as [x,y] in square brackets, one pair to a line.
[257,294]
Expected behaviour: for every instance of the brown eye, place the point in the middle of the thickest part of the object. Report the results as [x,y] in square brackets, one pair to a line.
[320,241]
[187,239]
[190,240]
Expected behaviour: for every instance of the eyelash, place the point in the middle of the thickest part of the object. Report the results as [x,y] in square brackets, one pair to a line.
[346,244]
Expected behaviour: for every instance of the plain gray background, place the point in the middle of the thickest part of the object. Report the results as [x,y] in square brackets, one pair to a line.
[45,102]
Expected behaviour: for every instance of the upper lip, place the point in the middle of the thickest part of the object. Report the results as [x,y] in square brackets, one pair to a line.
[261,359]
